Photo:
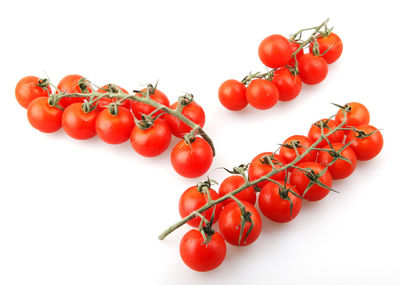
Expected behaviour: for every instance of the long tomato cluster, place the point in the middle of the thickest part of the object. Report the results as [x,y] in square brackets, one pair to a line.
[290,67]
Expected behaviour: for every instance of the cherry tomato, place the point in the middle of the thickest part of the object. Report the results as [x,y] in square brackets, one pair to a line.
[200,256]
[44,117]
[294,46]
[289,85]
[261,166]
[274,202]
[71,84]
[232,95]
[114,128]
[192,160]
[193,112]
[30,88]
[275,51]
[232,183]
[367,143]
[79,124]
[103,102]
[357,114]
[262,94]
[301,143]
[230,224]
[152,141]
[193,199]
[330,47]
[139,108]
[340,168]
[301,181]
[328,125]
[312,69]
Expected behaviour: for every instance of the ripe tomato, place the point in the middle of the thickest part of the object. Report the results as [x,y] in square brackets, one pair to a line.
[192,160]
[289,85]
[294,46]
[232,95]
[288,152]
[275,202]
[71,84]
[260,166]
[357,114]
[192,199]
[367,144]
[152,141]
[30,88]
[103,102]
[139,108]
[301,181]
[78,124]
[275,51]
[230,224]
[199,256]
[193,112]
[44,117]
[312,69]
[232,183]
[114,128]
[330,47]
[328,125]
[340,168]
[262,94]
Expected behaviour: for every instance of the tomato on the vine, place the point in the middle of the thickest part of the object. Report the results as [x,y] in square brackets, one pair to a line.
[104,101]
[294,145]
[340,168]
[30,88]
[73,83]
[44,117]
[232,183]
[261,166]
[79,124]
[330,47]
[232,95]
[139,108]
[356,114]
[294,46]
[312,69]
[327,125]
[262,94]
[275,51]
[288,84]
[367,142]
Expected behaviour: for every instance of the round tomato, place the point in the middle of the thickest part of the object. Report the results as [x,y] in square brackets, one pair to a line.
[232,183]
[192,160]
[330,47]
[200,256]
[294,46]
[328,125]
[299,143]
[73,83]
[79,124]
[357,114]
[367,142]
[261,166]
[262,94]
[288,84]
[232,95]
[139,108]
[30,88]
[105,101]
[340,168]
[275,51]
[312,69]
[44,117]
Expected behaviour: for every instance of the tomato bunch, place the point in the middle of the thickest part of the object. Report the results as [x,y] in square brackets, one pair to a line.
[290,68]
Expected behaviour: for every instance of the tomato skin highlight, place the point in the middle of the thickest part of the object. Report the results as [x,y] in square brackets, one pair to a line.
[368,147]
[340,168]
[289,154]
[330,47]
[259,168]
[233,182]
[315,132]
[103,102]
[139,108]
[44,117]
[289,85]
[232,95]
[114,129]
[262,94]
[358,115]
[78,124]
[275,51]
[312,69]
[202,257]
[27,90]
[70,84]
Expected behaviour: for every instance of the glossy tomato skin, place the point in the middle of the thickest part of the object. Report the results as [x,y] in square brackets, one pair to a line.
[274,207]
[289,85]
[44,117]
[193,112]
[262,94]
[367,147]
[152,141]
[301,181]
[294,46]
[28,89]
[358,115]
[199,256]
[232,183]
[114,129]
[260,166]
[70,84]
[78,124]
[330,47]
[275,51]
[340,168]
[232,95]
[312,69]
[289,154]
[192,199]
[103,102]
[315,132]
[139,108]
[229,224]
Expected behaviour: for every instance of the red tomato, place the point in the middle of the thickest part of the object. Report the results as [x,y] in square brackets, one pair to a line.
[330,47]
[30,88]
[230,224]
[103,102]
[193,112]
[301,181]
[357,114]
[152,141]
[44,117]
[260,166]
[232,183]
[192,160]
[199,256]
[274,202]
[294,46]
[262,94]
[78,124]
[193,199]
[114,128]
[275,51]
[367,144]
[315,132]
[70,84]
[312,69]
[289,85]
[139,108]
[301,143]
[232,94]
[340,168]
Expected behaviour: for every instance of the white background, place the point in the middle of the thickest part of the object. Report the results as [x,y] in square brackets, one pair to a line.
[83,212]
